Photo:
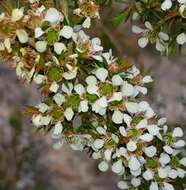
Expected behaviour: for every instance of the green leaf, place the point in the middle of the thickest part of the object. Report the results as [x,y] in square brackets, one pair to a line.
[121,17]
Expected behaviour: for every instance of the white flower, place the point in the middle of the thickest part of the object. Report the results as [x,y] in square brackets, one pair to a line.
[101,74]
[98,143]
[87,23]
[59,99]
[162,121]
[148,175]
[54,87]
[45,120]
[59,47]
[38,32]
[132,107]
[91,80]
[123,185]
[66,32]
[58,128]
[36,120]
[117,96]
[181,172]
[100,106]
[150,151]
[166,5]
[131,146]
[103,166]
[154,186]
[69,113]
[83,107]
[53,16]
[17,14]
[177,132]
[117,167]
[117,117]
[134,164]
[41,46]
[22,36]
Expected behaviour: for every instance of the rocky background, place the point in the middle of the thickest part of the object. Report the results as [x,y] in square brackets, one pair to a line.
[27,160]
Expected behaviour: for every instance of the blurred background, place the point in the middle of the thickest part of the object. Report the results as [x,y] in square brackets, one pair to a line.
[27,160]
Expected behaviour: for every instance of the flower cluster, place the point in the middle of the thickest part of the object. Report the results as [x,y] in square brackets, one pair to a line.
[161,23]
[90,98]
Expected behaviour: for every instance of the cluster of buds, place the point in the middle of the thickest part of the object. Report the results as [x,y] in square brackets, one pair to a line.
[90,99]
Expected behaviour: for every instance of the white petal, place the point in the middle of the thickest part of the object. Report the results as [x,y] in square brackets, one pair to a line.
[54,87]
[166,5]
[83,107]
[52,15]
[142,42]
[41,46]
[79,89]
[43,107]
[148,175]
[101,74]
[168,186]
[164,159]
[58,128]
[162,172]
[38,32]
[22,36]
[127,89]
[98,143]
[147,79]
[154,186]
[132,107]
[134,164]
[59,99]
[153,129]
[108,154]
[131,146]
[117,167]
[137,29]
[146,137]
[117,80]
[178,132]
[87,23]
[17,14]
[162,121]
[91,80]
[59,47]
[168,149]
[103,166]
[142,124]
[127,119]
[69,113]
[123,185]
[173,174]
[67,88]
[179,144]
[123,131]
[117,117]
[183,161]
[66,32]
[101,130]
[136,182]
[150,151]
